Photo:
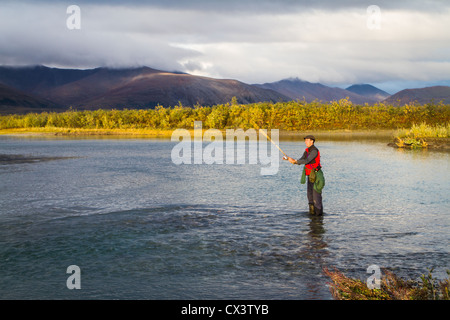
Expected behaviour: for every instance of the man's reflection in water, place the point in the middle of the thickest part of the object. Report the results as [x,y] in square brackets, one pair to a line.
[316,232]
[318,250]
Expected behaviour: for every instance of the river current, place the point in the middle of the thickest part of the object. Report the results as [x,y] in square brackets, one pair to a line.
[139,226]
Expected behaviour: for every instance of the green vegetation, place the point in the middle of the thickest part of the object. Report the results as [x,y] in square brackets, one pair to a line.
[290,116]
[418,136]
[391,287]
[424,130]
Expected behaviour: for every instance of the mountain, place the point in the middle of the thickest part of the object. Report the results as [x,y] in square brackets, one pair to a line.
[16,101]
[298,89]
[95,83]
[434,94]
[128,88]
[367,90]
[34,79]
[40,88]
[146,87]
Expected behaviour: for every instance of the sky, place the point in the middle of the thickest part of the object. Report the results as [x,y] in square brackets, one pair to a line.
[390,44]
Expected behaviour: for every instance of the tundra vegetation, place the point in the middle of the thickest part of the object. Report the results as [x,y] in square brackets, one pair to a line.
[391,287]
[285,116]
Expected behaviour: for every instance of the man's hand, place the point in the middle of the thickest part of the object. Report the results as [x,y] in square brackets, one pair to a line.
[293,161]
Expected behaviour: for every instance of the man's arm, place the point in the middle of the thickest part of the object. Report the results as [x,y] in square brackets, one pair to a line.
[305,159]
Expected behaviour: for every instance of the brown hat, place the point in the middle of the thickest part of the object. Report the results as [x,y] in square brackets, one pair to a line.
[310,137]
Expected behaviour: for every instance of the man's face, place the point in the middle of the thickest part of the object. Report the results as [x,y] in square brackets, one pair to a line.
[309,142]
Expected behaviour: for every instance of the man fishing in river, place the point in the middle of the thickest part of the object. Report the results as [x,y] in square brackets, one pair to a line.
[312,170]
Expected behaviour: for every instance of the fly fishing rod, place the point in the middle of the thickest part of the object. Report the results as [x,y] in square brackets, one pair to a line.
[285,155]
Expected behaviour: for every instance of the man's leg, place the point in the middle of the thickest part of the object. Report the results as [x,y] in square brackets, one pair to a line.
[317,198]
[310,193]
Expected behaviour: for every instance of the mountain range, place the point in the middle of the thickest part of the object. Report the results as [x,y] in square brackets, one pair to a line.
[369,91]
[297,89]
[40,88]
[53,88]
[434,94]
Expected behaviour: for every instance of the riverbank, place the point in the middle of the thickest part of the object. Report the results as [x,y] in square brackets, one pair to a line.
[441,144]
[422,135]
[390,287]
[167,133]
[57,131]
[390,136]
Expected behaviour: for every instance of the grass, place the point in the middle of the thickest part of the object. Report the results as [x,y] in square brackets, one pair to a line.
[424,130]
[418,134]
[391,288]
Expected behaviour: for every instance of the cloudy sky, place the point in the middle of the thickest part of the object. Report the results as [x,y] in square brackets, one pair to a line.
[390,44]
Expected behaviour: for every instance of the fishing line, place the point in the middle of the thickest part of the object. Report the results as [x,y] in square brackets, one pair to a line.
[285,155]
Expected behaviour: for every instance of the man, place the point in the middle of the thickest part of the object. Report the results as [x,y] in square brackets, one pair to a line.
[311,160]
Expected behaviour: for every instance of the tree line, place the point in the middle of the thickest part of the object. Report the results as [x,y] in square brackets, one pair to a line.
[293,115]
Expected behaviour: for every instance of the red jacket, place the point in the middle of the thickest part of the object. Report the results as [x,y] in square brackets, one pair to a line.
[309,163]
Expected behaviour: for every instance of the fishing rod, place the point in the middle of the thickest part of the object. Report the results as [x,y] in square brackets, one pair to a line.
[285,155]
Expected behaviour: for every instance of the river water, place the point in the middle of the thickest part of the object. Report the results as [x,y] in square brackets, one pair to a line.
[139,226]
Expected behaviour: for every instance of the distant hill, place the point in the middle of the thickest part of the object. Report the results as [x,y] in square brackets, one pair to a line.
[434,94]
[34,79]
[367,90]
[16,101]
[39,88]
[95,84]
[304,90]
[128,88]
[146,88]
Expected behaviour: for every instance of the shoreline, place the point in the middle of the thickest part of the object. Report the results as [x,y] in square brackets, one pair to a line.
[439,144]
[386,135]
[167,133]
[57,131]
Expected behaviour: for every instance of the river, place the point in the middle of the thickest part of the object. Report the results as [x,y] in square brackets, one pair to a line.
[139,226]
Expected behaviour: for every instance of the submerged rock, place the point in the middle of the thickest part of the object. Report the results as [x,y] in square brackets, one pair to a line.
[18,158]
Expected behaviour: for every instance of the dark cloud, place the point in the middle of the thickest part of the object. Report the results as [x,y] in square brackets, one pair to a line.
[254,41]
[276,6]
[259,6]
